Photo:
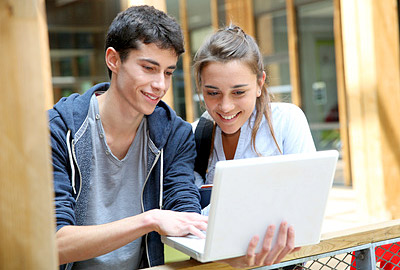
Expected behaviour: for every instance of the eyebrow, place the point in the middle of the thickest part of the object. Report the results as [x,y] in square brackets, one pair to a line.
[239,86]
[151,61]
[233,87]
[210,86]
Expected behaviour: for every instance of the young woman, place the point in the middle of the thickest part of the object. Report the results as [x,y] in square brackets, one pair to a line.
[230,75]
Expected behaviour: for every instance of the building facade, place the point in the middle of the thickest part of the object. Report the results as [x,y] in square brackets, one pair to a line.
[338,60]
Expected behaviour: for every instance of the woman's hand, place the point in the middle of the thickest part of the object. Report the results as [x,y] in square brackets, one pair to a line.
[269,254]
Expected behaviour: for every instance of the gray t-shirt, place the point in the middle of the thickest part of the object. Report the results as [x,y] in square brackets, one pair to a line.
[115,191]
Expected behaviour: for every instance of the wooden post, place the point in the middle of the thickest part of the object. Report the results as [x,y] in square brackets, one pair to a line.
[342,100]
[372,76]
[293,52]
[241,14]
[27,227]
[214,14]
[158,4]
[187,62]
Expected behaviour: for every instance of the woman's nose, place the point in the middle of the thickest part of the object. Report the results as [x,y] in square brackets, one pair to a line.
[226,104]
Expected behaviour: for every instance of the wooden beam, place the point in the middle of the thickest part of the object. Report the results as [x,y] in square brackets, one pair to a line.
[187,62]
[341,91]
[387,46]
[330,242]
[241,14]
[27,225]
[293,44]
[372,69]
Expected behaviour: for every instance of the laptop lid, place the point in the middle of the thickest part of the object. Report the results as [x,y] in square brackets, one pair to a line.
[250,194]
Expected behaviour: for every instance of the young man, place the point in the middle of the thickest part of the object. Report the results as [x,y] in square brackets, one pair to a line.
[122,159]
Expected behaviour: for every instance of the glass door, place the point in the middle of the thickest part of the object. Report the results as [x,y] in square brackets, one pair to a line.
[318,72]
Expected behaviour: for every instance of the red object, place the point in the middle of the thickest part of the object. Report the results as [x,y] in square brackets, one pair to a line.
[387,257]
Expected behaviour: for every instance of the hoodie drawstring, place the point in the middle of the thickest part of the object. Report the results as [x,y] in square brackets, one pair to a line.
[71,161]
[161,179]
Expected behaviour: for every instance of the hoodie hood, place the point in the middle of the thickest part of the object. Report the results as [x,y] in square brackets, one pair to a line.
[73,111]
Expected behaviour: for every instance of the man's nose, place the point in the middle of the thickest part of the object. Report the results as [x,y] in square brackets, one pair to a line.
[159,82]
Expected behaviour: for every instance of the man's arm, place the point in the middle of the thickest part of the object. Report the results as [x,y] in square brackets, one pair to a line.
[180,192]
[76,243]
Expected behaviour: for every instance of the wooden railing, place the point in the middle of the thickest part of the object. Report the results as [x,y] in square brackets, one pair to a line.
[350,241]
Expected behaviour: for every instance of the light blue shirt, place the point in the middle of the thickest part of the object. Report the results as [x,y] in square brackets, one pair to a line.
[292,134]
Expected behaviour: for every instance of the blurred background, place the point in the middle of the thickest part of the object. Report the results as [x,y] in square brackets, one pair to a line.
[77,30]
[338,60]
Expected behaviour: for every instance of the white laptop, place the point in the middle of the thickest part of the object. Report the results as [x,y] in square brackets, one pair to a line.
[250,194]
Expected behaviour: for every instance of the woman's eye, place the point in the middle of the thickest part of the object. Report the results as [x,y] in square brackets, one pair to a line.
[212,93]
[238,93]
[168,73]
[148,68]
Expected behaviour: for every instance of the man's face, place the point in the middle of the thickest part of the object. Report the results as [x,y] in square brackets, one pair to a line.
[144,77]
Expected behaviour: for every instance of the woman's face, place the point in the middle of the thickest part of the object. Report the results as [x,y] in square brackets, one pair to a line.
[230,91]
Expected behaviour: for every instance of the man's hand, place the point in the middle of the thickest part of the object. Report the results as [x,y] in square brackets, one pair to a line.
[269,254]
[173,223]
[77,243]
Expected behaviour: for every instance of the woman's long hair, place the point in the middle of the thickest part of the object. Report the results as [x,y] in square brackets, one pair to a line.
[229,44]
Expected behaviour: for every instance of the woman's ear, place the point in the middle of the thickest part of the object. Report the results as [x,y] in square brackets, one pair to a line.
[112,59]
[261,83]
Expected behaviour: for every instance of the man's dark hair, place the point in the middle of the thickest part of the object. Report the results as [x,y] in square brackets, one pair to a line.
[143,24]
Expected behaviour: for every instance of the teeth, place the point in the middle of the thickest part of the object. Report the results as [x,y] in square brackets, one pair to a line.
[228,117]
[151,97]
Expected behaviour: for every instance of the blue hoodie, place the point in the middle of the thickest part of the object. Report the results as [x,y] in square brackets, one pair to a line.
[170,162]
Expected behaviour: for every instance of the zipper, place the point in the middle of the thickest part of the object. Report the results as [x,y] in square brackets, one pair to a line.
[144,185]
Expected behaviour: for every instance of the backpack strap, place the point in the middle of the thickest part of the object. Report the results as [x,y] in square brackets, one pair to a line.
[203,137]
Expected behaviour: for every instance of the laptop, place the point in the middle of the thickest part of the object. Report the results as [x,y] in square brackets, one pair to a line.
[250,194]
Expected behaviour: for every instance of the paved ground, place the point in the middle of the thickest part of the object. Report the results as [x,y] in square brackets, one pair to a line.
[342,211]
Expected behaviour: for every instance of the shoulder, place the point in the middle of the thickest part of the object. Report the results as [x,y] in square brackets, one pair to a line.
[165,126]
[205,117]
[285,108]
[176,122]
[286,112]
[72,110]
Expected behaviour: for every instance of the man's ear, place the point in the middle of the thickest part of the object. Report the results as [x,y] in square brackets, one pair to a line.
[113,61]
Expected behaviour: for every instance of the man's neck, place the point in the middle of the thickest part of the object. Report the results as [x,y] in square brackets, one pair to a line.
[120,123]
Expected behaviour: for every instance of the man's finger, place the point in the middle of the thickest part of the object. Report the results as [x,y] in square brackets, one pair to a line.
[201,225]
[193,230]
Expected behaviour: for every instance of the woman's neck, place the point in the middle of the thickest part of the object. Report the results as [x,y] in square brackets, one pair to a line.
[229,143]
